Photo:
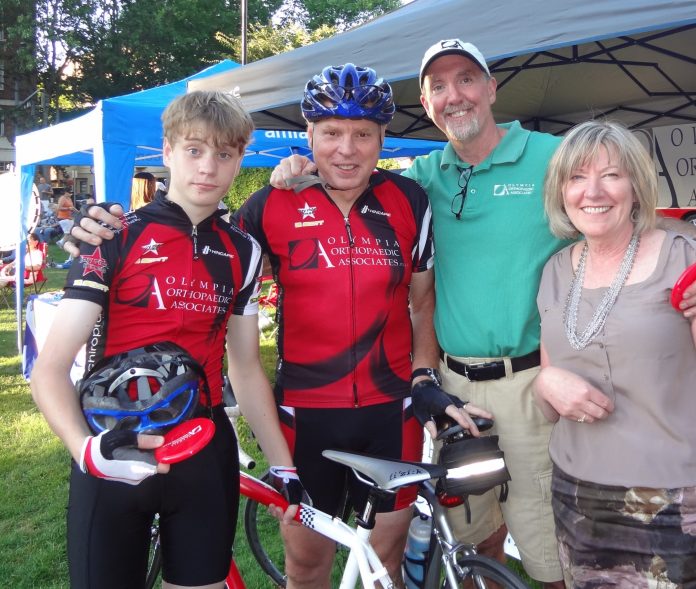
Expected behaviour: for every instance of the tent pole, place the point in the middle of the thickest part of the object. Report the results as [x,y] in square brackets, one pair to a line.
[243,6]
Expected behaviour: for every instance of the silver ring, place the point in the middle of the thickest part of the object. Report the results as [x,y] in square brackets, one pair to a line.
[582,419]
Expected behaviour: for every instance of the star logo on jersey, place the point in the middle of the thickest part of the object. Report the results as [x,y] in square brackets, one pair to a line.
[94,263]
[307,211]
[151,248]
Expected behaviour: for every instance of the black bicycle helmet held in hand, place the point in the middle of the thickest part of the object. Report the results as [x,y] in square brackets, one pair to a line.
[147,390]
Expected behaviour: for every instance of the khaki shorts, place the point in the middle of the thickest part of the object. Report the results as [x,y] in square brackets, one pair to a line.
[524,436]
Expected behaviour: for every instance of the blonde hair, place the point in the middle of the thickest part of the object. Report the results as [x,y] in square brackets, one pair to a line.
[224,116]
[143,189]
[581,145]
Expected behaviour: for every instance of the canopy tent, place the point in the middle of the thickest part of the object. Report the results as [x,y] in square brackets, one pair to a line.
[556,63]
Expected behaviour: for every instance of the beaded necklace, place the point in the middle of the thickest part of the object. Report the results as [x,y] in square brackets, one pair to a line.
[599,317]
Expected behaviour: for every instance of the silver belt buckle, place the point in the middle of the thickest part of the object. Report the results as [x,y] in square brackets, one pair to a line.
[466,369]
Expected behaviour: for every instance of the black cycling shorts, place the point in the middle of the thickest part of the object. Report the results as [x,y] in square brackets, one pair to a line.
[109,522]
[387,430]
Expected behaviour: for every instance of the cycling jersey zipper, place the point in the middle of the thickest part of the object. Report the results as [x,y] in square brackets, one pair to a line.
[354,358]
[194,236]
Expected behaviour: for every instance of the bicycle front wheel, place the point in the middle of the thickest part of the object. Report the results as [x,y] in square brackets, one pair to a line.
[265,542]
[482,572]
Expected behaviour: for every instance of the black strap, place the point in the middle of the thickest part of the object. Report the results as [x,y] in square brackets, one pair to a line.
[494,369]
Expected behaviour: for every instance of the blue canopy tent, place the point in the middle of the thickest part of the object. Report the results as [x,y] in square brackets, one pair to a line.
[123,132]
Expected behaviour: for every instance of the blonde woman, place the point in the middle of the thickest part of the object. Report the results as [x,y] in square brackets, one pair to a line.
[618,370]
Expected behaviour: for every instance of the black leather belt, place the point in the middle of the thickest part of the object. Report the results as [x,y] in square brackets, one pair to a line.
[491,370]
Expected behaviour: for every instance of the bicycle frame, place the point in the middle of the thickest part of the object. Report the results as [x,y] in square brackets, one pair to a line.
[448,545]
[459,560]
[363,562]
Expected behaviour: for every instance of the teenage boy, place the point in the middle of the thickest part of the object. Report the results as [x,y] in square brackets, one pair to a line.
[176,272]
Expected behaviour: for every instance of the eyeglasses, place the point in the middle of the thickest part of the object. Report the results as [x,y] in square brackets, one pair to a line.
[362,95]
[457,205]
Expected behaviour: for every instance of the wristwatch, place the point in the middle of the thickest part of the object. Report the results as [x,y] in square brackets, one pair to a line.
[432,373]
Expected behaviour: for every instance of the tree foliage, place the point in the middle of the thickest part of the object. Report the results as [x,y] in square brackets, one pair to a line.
[153,42]
[267,40]
[81,51]
[49,37]
[313,14]
[247,182]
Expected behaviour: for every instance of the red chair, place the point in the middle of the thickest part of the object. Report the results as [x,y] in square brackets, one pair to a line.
[268,306]
[36,278]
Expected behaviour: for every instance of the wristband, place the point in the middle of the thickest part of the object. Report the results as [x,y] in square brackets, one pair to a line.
[83,450]
[286,481]
[432,373]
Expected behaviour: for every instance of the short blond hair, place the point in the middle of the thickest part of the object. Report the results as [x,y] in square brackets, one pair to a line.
[581,145]
[221,113]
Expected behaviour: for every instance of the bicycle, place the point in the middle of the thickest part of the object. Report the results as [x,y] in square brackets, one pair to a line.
[449,563]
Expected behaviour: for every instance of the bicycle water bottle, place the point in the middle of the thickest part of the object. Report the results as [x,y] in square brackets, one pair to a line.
[417,548]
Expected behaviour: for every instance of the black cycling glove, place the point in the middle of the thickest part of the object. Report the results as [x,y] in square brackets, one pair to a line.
[84,212]
[285,480]
[429,401]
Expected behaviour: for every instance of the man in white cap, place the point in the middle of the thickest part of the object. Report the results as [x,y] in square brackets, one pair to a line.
[485,189]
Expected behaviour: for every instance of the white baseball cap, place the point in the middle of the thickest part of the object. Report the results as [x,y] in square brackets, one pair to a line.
[452,47]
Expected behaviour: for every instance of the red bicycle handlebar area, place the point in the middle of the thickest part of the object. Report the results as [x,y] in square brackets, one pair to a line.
[259,491]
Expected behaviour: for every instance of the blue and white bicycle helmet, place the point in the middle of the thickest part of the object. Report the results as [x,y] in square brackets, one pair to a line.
[349,92]
[147,390]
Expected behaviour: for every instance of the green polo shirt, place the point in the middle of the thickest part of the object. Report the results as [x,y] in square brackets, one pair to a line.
[488,263]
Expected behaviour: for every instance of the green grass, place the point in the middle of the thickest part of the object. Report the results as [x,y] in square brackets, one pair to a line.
[34,470]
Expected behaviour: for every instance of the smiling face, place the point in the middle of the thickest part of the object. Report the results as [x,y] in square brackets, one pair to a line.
[201,172]
[457,95]
[346,152]
[598,197]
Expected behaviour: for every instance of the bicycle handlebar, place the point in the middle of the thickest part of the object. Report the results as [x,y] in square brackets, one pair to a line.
[449,431]
[264,494]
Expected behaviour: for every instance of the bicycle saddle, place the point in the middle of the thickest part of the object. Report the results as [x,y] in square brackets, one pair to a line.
[385,474]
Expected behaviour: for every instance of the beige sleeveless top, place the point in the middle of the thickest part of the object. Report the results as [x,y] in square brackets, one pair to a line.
[645,360]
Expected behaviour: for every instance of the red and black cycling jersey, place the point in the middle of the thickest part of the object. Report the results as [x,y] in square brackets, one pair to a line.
[344,337]
[163,279]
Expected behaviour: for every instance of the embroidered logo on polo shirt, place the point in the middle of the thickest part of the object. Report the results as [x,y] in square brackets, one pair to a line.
[513,189]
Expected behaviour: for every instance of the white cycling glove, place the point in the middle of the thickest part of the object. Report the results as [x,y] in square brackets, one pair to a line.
[113,455]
